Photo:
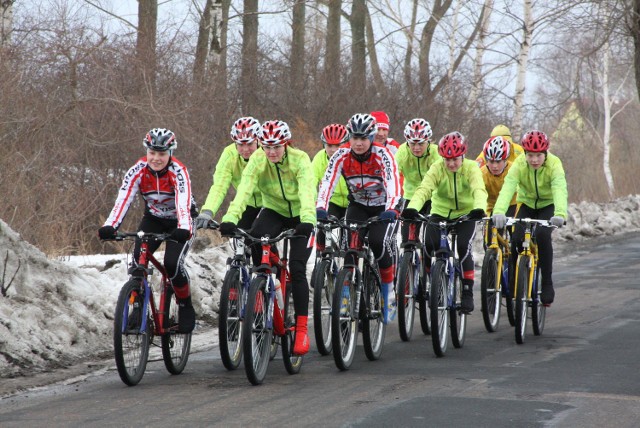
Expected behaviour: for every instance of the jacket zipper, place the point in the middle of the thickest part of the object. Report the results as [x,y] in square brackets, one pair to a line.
[535,180]
[282,190]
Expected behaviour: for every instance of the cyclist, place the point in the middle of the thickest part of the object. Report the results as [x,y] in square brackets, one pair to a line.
[515,149]
[539,178]
[332,137]
[455,187]
[382,132]
[163,182]
[233,160]
[283,174]
[373,181]
[496,151]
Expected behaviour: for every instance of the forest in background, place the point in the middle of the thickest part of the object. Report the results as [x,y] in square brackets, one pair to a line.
[80,86]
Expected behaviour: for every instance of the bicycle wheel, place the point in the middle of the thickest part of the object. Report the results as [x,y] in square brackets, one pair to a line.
[507,290]
[423,302]
[438,307]
[522,283]
[273,349]
[373,326]
[538,310]
[291,362]
[130,342]
[175,346]
[230,319]
[406,297]
[457,318]
[322,299]
[344,324]
[256,335]
[490,290]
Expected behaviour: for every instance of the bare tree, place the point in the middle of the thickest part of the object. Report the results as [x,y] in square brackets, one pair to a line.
[358,47]
[523,57]
[332,57]
[146,43]
[249,54]
[373,55]
[635,33]
[297,57]
[6,21]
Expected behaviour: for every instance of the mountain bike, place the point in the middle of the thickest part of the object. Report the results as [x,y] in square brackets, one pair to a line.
[494,280]
[138,320]
[413,282]
[323,280]
[527,288]
[447,318]
[357,297]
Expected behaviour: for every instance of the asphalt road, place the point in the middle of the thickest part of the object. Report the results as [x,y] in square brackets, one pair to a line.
[581,372]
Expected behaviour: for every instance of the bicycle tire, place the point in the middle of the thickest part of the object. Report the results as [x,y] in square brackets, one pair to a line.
[292,362]
[438,308]
[344,323]
[423,301]
[373,326]
[322,300]
[131,348]
[273,349]
[538,310]
[175,346]
[256,335]
[490,290]
[457,318]
[522,283]
[230,319]
[406,296]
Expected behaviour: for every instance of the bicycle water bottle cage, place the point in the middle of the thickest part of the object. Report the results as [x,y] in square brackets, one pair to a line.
[139,271]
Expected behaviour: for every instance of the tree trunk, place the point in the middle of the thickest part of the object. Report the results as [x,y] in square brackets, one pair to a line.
[219,49]
[453,44]
[373,56]
[297,59]
[606,135]
[523,57]
[202,45]
[407,69]
[6,21]
[635,32]
[358,49]
[146,44]
[440,7]
[332,57]
[249,59]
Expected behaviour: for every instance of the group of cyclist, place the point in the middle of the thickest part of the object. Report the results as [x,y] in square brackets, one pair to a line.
[360,173]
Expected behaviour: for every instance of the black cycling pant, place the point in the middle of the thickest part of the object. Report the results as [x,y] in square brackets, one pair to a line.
[542,236]
[466,231]
[334,210]
[381,235]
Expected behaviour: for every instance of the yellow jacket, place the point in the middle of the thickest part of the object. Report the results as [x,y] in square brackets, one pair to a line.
[493,184]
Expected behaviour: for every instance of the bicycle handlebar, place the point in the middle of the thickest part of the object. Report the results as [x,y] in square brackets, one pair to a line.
[211,224]
[145,236]
[545,223]
[357,225]
[288,233]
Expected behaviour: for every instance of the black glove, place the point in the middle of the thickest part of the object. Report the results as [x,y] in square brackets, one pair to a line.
[304,229]
[107,232]
[389,215]
[321,214]
[180,235]
[476,214]
[410,213]
[227,228]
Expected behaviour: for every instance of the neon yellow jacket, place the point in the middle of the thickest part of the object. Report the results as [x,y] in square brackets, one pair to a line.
[493,184]
[413,168]
[515,151]
[536,188]
[319,164]
[228,172]
[287,187]
[452,194]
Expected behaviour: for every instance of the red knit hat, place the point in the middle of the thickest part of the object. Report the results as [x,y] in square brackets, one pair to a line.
[382,119]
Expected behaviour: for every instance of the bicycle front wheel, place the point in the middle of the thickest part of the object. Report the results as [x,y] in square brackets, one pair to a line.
[344,323]
[373,326]
[323,286]
[406,296]
[490,290]
[538,310]
[457,318]
[175,346]
[130,340]
[423,301]
[438,307]
[292,362]
[522,283]
[230,319]
[256,334]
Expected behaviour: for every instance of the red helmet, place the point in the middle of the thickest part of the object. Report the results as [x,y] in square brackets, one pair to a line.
[496,149]
[334,134]
[275,133]
[245,130]
[452,145]
[535,141]
[417,130]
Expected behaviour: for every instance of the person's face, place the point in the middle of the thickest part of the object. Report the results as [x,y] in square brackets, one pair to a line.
[331,149]
[157,161]
[274,153]
[496,166]
[246,150]
[381,136]
[535,160]
[418,149]
[360,145]
[453,164]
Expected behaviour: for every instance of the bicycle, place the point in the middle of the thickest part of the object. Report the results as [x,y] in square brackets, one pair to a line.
[357,296]
[413,282]
[527,288]
[269,309]
[323,284]
[494,279]
[134,328]
[447,318]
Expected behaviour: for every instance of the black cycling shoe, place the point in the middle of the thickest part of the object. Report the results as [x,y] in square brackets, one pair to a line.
[186,316]
[466,305]
[548,294]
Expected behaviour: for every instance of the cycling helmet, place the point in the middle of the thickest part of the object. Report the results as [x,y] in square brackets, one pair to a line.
[417,130]
[245,130]
[275,133]
[160,140]
[452,145]
[361,125]
[501,131]
[535,141]
[496,149]
[334,134]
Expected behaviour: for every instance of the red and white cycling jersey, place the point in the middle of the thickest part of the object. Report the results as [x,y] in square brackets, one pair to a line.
[167,195]
[374,182]
[392,145]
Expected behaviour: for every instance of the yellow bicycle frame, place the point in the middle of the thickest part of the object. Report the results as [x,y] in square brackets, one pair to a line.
[530,251]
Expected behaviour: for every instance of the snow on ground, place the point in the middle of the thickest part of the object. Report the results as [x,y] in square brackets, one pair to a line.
[58,312]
